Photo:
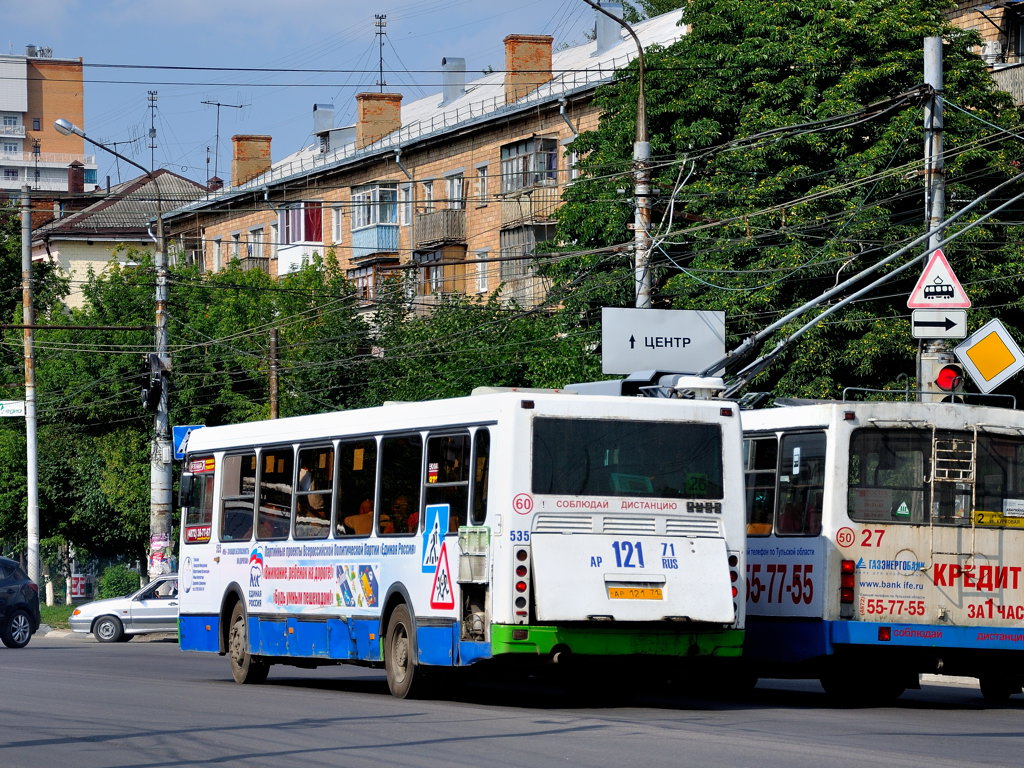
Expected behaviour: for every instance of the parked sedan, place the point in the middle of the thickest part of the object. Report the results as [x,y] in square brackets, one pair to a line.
[154,608]
[19,605]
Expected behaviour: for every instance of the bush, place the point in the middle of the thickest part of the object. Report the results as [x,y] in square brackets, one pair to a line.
[117,581]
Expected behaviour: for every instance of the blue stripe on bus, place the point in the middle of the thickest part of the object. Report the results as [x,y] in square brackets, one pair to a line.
[928,635]
[199,633]
[786,641]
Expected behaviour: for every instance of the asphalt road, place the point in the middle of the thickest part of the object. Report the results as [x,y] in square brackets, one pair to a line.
[70,701]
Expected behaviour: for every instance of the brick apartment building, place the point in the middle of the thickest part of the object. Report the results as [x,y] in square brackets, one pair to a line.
[36,89]
[458,187]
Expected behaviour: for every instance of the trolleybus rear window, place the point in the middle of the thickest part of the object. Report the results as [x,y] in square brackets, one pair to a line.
[918,476]
[587,457]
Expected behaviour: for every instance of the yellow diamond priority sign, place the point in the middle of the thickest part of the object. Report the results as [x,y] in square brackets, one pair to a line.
[990,356]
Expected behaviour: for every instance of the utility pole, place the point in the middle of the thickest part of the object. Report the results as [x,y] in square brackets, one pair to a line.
[641,177]
[31,448]
[274,412]
[932,354]
[381,22]
[152,129]
[160,471]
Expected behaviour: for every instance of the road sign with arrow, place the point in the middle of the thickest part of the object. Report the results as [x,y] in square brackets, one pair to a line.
[939,323]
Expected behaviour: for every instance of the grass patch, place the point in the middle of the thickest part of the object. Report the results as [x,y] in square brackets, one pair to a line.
[56,616]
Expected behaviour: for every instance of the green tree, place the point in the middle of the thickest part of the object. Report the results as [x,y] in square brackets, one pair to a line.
[786,142]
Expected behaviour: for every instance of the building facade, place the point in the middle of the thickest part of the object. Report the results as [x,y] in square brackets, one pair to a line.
[457,188]
[35,90]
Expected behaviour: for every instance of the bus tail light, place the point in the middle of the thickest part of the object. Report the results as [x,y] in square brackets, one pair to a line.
[521,585]
[847,570]
[734,579]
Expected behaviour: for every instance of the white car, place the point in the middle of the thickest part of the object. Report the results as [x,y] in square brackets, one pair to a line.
[154,608]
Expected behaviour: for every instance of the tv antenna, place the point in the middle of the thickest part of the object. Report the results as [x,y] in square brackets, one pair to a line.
[381,23]
[152,130]
[216,138]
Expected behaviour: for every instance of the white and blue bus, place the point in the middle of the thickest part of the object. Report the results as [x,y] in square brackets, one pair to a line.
[885,540]
[510,525]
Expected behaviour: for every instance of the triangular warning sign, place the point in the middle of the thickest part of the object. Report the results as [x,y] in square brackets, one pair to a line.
[441,594]
[938,286]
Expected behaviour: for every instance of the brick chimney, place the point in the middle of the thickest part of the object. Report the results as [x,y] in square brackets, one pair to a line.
[527,64]
[251,158]
[215,184]
[377,115]
[76,178]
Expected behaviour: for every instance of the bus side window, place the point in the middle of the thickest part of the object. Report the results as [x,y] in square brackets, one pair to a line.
[357,487]
[801,484]
[274,517]
[401,462]
[481,474]
[760,456]
[313,493]
[237,492]
[447,481]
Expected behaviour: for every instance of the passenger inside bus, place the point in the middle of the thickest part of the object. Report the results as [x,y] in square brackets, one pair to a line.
[361,522]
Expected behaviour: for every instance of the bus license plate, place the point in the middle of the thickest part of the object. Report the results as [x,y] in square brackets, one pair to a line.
[635,593]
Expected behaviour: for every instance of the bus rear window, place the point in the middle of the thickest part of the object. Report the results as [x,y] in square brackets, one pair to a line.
[590,457]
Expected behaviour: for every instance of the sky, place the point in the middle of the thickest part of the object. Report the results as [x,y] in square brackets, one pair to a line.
[179,48]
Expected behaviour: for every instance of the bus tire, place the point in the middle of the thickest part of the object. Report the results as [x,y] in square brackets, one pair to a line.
[246,669]
[405,676]
[996,689]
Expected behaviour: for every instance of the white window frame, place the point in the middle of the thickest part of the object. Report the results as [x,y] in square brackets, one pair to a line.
[218,254]
[482,267]
[428,196]
[292,222]
[373,205]
[456,188]
[405,204]
[483,175]
[255,246]
[236,245]
[337,223]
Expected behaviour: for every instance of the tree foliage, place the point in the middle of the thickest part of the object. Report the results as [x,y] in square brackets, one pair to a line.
[786,143]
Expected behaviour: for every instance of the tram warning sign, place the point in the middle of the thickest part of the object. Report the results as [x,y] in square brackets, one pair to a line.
[938,287]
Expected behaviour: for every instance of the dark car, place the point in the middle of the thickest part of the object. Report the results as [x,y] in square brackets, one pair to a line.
[19,605]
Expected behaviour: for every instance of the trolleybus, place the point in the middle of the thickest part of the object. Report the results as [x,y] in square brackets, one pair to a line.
[419,536]
[885,540]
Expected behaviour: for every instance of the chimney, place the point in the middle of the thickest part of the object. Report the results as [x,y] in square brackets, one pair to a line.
[323,118]
[527,64]
[31,51]
[377,115]
[215,184]
[251,158]
[609,31]
[454,74]
[76,178]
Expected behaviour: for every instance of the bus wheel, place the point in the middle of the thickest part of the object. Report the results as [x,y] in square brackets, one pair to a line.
[997,690]
[399,661]
[245,668]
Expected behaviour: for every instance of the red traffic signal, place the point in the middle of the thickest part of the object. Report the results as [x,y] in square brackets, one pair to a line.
[950,378]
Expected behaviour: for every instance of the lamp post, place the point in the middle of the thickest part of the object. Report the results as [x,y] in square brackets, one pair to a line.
[641,176]
[160,479]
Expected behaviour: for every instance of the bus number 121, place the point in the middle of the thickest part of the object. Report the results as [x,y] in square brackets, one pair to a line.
[628,554]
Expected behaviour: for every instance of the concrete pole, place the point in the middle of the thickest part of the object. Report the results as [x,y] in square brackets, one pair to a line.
[161,547]
[933,353]
[31,446]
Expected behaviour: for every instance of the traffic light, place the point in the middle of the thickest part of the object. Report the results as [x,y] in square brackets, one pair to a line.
[951,378]
[153,384]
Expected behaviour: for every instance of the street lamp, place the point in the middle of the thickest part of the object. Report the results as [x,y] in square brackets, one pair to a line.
[160,501]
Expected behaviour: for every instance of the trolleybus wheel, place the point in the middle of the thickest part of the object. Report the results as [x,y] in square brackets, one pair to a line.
[245,668]
[399,656]
[997,689]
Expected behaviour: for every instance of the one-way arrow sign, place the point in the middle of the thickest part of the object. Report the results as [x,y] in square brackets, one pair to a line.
[939,323]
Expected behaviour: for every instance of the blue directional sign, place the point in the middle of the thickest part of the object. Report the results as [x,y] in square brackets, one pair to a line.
[179,435]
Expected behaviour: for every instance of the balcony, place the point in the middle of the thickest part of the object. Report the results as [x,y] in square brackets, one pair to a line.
[13,131]
[440,228]
[377,238]
[1010,78]
[533,205]
[260,263]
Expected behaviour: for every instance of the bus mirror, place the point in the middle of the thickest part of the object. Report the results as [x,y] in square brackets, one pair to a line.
[185,489]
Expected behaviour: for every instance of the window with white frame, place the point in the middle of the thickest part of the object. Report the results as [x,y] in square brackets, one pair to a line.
[10,173]
[374,204]
[482,185]
[218,255]
[428,196]
[11,147]
[337,223]
[302,223]
[404,204]
[529,163]
[236,243]
[456,191]
[255,246]
[272,245]
[482,266]
[10,120]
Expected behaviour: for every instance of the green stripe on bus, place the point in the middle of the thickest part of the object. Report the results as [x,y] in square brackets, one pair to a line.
[587,641]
